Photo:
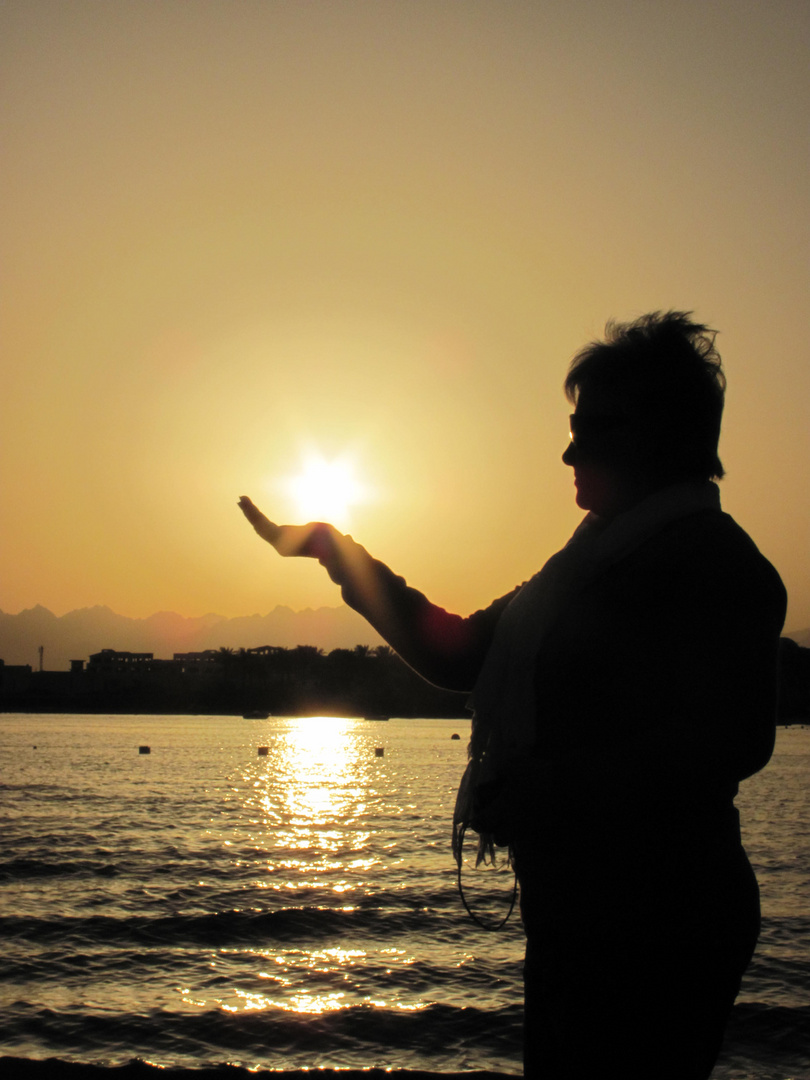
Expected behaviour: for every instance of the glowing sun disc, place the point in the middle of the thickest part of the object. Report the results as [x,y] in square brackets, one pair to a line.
[325,490]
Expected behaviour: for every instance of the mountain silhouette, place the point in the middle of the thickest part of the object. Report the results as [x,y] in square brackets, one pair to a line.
[80,633]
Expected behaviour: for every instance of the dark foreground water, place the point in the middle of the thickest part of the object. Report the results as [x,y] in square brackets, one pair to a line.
[204,904]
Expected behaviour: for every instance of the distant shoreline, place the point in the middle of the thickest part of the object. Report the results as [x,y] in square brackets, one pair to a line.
[12,1068]
[464,714]
[302,681]
[227,682]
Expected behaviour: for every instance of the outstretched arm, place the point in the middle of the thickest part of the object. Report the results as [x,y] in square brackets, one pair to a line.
[445,649]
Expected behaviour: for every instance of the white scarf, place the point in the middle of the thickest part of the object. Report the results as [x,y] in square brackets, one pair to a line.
[503,700]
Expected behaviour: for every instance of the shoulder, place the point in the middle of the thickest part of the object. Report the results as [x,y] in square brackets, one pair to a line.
[707,554]
[715,540]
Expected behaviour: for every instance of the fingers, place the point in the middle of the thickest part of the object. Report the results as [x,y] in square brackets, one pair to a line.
[263,525]
[312,541]
[248,508]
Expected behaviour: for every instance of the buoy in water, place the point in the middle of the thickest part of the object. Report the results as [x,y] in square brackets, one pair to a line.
[455,735]
[144,749]
[379,751]
[263,751]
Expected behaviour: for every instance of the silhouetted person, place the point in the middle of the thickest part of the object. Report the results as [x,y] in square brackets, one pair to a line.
[620,696]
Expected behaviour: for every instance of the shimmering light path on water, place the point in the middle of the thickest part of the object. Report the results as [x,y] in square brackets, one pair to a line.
[203,903]
[308,895]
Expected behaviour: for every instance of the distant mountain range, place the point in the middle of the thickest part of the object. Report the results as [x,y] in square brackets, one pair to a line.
[78,634]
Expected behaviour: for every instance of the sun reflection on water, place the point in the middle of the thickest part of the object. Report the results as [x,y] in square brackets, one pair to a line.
[311,981]
[309,802]
[309,841]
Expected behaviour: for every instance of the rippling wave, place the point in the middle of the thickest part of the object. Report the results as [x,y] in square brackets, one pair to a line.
[203,904]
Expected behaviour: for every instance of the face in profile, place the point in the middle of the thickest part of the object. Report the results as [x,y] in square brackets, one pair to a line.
[607,455]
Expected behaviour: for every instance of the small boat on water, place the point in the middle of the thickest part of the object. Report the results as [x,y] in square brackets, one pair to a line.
[256,714]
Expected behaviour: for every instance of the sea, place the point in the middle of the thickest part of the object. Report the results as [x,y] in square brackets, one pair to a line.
[280,894]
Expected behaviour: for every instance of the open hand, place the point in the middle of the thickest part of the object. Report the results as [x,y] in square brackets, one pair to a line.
[313,541]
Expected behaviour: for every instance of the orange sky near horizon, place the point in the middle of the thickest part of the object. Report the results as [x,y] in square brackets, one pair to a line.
[236,233]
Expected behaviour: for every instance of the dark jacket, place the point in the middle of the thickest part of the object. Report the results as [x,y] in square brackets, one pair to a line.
[656,694]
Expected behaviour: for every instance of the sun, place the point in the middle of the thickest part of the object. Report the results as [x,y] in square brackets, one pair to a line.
[325,490]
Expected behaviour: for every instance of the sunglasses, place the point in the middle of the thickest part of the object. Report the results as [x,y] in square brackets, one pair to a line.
[587,429]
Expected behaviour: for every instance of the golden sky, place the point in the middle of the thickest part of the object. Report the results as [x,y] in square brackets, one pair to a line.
[237,232]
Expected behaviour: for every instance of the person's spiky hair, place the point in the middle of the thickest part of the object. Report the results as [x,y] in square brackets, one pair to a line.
[666,371]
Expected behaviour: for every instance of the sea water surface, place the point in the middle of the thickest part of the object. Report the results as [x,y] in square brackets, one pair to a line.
[298,907]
